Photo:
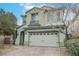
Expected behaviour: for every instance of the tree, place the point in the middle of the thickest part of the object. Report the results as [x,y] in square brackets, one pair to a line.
[73,8]
[67,7]
[7,23]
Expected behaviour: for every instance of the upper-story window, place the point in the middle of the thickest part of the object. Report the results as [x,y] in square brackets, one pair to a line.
[58,17]
[34,16]
[52,17]
[55,17]
[34,20]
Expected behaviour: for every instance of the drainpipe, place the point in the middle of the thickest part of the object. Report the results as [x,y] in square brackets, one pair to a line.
[67,37]
[59,42]
[28,38]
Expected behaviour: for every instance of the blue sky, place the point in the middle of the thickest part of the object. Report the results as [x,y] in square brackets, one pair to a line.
[18,9]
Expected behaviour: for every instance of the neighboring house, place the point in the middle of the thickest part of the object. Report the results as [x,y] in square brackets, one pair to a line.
[42,27]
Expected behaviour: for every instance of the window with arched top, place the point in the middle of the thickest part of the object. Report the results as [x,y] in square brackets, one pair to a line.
[34,16]
[34,20]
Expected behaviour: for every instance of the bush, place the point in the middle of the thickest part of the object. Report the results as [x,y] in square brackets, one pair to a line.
[73,46]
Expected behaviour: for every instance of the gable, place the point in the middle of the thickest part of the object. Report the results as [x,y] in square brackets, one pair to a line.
[34,10]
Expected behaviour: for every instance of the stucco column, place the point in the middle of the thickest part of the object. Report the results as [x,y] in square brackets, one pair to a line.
[18,38]
[59,43]
[26,38]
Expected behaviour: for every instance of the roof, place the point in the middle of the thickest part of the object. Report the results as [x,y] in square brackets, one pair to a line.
[20,26]
[44,8]
[33,8]
[47,7]
[43,27]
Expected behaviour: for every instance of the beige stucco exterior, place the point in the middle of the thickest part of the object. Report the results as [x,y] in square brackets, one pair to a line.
[44,17]
[48,33]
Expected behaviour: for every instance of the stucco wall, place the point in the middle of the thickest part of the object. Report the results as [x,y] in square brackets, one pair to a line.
[18,38]
[35,39]
[45,18]
[26,39]
[18,34]
[43,21]
[40,16]
[62,37]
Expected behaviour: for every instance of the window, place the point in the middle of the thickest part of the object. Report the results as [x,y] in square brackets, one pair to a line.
[48,33]
[44,33]
[34,33]
[30,33]
[58,16]
[55,33]
[52,17]
[34,20]
[40,33]
[34,16]
[37,33]
[51,33]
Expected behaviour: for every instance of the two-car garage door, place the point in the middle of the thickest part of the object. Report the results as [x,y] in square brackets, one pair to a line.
[43,39]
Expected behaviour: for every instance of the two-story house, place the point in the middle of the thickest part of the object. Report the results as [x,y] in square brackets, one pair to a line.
[42,27]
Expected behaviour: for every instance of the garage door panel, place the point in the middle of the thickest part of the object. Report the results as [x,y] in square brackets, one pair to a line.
[35,40]
[44,40]
[51,41]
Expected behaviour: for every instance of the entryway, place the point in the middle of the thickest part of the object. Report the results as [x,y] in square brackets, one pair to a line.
[22,38]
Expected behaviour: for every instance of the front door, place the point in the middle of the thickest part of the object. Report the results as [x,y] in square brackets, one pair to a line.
[22,38]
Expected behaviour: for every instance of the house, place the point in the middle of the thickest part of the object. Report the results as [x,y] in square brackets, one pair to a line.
[42,27]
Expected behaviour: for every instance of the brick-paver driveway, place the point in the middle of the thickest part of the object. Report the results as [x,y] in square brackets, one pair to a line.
[32,51]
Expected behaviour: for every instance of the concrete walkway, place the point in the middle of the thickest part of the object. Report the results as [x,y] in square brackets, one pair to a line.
[32,51]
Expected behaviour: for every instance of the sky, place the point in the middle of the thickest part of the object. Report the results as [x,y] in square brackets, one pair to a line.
[19,9]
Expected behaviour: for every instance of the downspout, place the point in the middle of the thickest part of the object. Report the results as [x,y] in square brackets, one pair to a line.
[59,42]
[66,26]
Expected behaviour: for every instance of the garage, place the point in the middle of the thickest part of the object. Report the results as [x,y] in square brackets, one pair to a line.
[45,38]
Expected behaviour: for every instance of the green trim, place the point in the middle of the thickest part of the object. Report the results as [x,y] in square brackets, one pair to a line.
[43,27]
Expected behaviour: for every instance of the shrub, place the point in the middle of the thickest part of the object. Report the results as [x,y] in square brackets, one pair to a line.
[73,46]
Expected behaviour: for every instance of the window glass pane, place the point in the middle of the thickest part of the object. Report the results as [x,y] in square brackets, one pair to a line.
[48,33]
[37,33]
[34,16]
[51,33]
[33,33]
[55,33]
[44,33]
[40,33]
[52,17]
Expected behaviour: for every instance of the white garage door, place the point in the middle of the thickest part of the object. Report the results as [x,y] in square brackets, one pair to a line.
[43,39]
